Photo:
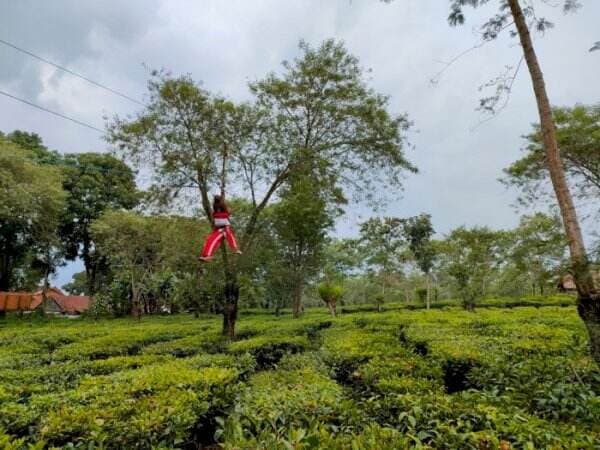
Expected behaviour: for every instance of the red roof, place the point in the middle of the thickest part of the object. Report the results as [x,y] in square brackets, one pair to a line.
[26,301]
[15,301]
[73,304]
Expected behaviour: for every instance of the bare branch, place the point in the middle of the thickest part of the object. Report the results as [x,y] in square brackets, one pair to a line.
[504,85]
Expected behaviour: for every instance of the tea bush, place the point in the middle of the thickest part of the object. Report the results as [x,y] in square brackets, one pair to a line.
[449,379]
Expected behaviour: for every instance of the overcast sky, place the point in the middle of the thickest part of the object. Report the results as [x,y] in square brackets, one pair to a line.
[228,43]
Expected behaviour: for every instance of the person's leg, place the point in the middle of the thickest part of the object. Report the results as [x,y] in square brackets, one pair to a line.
[231,240]
[212,244]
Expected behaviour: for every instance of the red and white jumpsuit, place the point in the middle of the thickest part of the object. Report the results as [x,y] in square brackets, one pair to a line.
[222,230]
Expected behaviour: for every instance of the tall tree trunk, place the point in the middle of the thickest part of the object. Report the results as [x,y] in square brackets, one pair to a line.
[588,302]
[332,308]
[87,263]
[135,299]
[231,294]
[230,310]
[297,300]
[3,259]
[4,270]
[428,288]
[46,284]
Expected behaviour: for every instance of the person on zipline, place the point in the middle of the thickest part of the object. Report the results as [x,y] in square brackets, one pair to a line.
[222,229]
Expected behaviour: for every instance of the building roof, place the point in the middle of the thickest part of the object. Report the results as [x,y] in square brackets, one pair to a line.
[74,304]
[27,301]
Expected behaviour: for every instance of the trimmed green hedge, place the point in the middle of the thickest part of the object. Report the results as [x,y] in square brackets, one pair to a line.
[442,379]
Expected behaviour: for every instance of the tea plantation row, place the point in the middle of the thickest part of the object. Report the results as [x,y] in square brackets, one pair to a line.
[448,379]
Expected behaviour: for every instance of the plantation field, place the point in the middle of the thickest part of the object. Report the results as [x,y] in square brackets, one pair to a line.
[399,379]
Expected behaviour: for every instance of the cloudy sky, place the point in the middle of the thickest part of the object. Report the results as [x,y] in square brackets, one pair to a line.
[228,43]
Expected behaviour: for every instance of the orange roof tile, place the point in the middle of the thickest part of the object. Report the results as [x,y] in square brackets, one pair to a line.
[26,301]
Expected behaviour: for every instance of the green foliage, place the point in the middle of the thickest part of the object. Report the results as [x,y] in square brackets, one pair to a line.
[471,257]
[538,250]
[578,135]
[78,285]
[327,115]
[421,295]
[382,244]
[318,121]
[418,231]
[31,201]
[152,406]
[330,293]
[383,240]
[275,406]
[300,220]
[152,259]
[34,144]
[94,183]
[365,380]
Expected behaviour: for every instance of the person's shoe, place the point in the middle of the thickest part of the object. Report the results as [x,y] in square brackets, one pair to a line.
[238,252]
[204,258]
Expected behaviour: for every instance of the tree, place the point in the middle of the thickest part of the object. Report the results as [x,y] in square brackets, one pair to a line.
[187,137]
[95,183]
[588,303]
[342,257]
[319,113]
[179,281]
[382,242]
[129,241]
[33,142]
[49,255]
[78,285]
[418,232]
[331,293]
[471,257]
[31,200]
[301,220]
[578,135]
[154,256]
[538,249]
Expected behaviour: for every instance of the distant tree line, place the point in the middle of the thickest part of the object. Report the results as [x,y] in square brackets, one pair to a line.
[61,207]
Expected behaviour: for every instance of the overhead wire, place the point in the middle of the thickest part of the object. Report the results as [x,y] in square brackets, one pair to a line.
[42,108]
[71,72]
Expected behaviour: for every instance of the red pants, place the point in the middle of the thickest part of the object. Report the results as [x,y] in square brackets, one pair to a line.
[214,239]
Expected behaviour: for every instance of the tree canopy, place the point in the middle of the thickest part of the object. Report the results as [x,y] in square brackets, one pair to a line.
[31,202]
[578,134]
[318,117]
[94,183]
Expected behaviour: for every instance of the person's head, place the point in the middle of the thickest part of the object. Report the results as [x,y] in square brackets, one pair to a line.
[219,204]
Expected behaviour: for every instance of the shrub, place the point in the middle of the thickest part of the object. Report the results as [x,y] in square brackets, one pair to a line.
[367,380]
[330,293]
[153,406]
[276,403]
[421,294]
[268,350]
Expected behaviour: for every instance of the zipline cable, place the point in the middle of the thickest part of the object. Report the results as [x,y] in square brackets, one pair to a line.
[69,71]
[27,102]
